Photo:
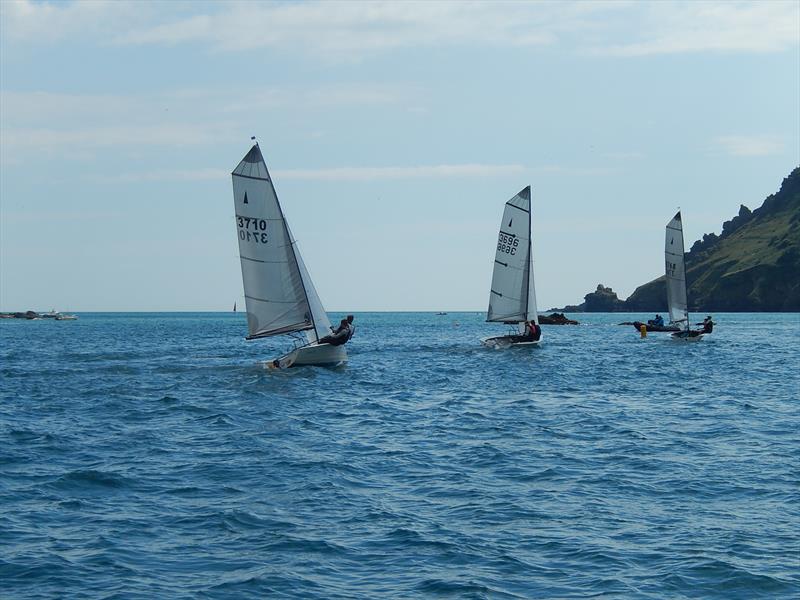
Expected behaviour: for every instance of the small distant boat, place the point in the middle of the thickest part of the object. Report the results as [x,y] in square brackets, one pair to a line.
[53,314]
[512,297]
[234,307]
[441,313]
[66,317]
[675,272]
[280,297]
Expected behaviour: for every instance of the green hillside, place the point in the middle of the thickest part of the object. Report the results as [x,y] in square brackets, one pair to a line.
[753,265]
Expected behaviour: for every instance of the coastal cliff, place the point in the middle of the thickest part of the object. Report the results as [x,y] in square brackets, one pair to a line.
[752,265]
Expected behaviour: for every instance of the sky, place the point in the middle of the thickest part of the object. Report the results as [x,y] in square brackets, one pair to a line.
[394,133]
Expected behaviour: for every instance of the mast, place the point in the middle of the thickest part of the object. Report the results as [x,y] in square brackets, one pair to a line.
[685,285]
[530,260]
[683,272]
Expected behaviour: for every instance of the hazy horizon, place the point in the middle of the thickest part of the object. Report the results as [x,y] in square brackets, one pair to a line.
[394,133]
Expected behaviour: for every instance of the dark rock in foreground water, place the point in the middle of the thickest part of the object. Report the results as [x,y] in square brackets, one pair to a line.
[556,319]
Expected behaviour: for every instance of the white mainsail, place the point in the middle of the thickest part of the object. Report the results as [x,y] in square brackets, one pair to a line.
[279,295]
[512,298]
[675,271]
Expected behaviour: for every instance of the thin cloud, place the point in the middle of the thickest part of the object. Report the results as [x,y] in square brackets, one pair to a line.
[38,105]
[54,123]
[632,155]
[166,175]
[683,27]
[572,171]
[101,137]
[28,22]
[353,27]
[365,174]
[58,217]
[750,145]
[358,30]
[332,174]
[384,173]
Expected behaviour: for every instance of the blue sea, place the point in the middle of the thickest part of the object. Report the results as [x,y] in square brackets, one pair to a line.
[152,456]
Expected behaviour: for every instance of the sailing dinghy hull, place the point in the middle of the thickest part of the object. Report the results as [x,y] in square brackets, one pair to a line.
[687,336]
[506,341]
[318,355]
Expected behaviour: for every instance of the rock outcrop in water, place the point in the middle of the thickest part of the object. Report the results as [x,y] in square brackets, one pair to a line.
[556,319]
[752,265]
[30,315]
[603,299]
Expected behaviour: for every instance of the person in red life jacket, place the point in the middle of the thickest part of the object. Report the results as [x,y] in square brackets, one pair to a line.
[533,331]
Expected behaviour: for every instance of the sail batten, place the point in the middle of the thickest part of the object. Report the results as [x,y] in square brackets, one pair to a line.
[294,328]
[512,295]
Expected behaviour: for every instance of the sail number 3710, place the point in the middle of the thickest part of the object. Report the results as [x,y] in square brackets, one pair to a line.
[507,243]
[252,229]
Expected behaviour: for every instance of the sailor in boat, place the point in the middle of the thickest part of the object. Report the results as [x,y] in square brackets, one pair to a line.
[708,325]
[658,321]
[533,333]
[342,334]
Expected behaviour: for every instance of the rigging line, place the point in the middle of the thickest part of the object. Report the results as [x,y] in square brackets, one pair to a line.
[685,287]
[528,264]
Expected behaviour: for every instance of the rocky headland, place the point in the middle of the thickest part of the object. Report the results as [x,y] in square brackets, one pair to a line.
[752,265]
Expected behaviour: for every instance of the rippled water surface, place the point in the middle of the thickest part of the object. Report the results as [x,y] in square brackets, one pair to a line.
[149,455]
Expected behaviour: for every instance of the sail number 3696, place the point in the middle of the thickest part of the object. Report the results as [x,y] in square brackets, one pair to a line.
[252,229]
[507,243]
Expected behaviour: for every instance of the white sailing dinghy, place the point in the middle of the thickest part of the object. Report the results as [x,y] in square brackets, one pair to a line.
[512,297]
[279,295]
[675,271]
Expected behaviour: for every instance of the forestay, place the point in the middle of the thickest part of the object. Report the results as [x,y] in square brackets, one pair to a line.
[512,298]
[279,295]
[675,271]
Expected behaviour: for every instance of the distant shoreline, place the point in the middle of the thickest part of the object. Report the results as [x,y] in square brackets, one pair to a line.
[420,312]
